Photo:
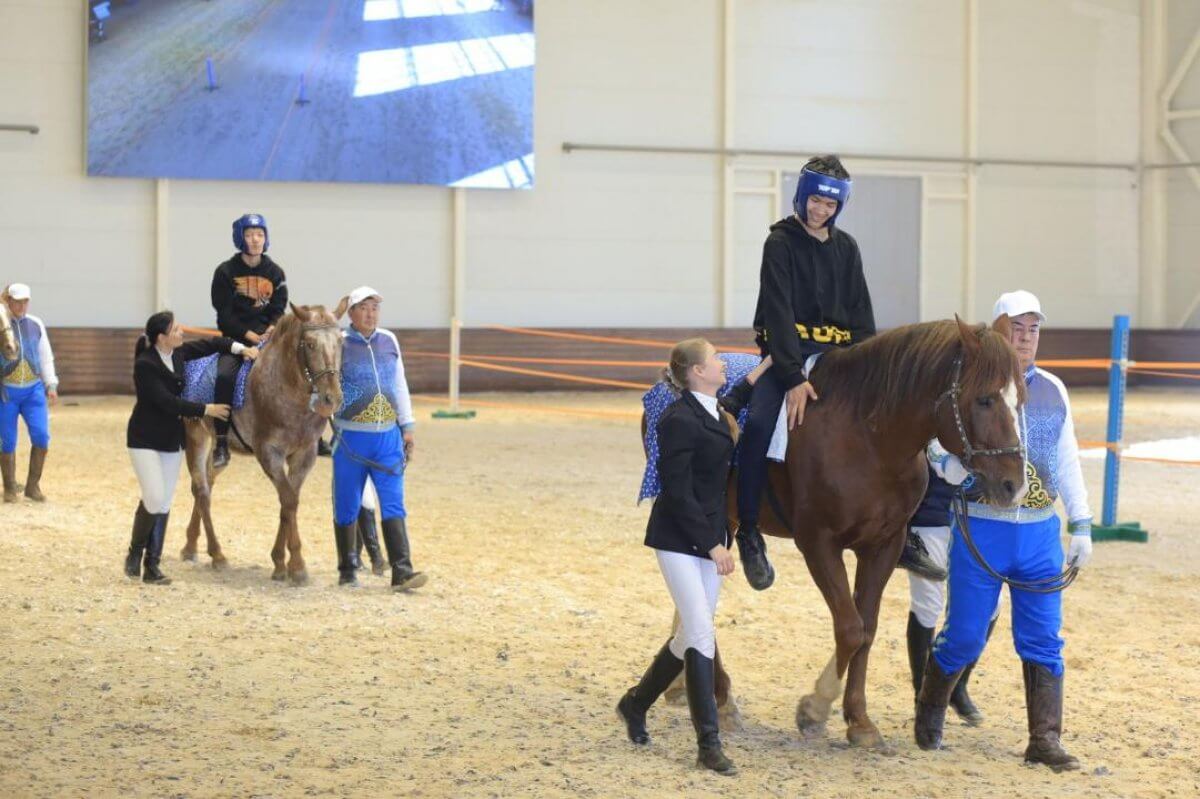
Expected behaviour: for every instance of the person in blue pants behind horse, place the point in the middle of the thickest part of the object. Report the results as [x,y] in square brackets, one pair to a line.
[373,437]
[812,296]
[30,386]
[1020,543]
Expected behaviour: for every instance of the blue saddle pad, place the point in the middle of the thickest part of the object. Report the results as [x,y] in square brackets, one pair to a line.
[200,380]
[663,395]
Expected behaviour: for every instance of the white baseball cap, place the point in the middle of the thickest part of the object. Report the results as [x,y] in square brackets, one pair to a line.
[364,293]
[1015,303]
[19,291]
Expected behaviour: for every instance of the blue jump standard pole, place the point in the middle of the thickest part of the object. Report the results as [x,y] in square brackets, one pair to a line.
[1109,529]
[302,95]
[212,75]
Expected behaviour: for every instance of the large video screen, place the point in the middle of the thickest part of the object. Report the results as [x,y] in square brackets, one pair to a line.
[380,91]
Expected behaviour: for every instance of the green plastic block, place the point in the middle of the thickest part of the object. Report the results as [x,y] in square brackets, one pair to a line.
[1121,531]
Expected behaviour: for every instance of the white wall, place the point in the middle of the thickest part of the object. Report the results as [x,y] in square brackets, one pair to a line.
[609,239]
[1183,194]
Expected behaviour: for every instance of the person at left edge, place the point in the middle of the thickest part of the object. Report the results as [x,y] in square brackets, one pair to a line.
[249,294]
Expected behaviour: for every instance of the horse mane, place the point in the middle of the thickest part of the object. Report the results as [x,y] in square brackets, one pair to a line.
[913,361]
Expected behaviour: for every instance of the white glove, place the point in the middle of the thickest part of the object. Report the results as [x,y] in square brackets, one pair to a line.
[1079,551]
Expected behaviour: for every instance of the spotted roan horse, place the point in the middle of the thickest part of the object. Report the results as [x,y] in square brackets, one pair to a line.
[294,387]
[855,472]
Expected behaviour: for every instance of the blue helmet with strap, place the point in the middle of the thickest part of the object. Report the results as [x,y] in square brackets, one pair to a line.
[812,182]
[246,221]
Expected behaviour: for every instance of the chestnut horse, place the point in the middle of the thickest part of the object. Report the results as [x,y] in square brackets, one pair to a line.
[855,472]
[8,339]
[294,387]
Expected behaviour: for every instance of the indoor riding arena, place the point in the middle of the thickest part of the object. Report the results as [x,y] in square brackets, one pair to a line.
[376,159]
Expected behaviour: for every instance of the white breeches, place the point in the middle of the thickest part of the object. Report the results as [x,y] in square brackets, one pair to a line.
[157,473]
[694,585]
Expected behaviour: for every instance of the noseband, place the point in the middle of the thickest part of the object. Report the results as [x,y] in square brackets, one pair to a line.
[970,452]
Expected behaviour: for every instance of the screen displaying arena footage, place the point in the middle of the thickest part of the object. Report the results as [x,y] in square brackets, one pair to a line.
[379,91]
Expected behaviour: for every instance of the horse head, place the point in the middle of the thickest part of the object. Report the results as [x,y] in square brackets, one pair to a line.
[8,339]
[982,426]
[317,339]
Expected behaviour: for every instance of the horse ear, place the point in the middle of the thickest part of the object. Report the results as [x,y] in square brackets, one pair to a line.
[970,339]
[296,310]
[342,306]
[1003,326]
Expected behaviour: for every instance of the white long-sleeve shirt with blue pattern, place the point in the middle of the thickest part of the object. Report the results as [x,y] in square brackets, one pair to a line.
[35,360]
[1052,467]
[374,391]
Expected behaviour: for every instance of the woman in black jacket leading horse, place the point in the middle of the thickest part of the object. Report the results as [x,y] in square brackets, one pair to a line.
[688,533]
[154,435]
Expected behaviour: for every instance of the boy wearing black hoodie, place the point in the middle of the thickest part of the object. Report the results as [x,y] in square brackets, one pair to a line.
[812,296]
[249,294]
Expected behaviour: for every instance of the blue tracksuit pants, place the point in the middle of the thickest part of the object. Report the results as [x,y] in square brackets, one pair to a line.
[1024,551]
[30,404]
[350,476]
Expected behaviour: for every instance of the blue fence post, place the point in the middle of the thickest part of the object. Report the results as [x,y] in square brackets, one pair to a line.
[1109,529]
[212,74]
[302,95]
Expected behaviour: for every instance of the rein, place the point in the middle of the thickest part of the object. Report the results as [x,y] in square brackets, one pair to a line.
[1047,585]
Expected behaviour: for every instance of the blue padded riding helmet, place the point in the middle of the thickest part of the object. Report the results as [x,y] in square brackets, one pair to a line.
[813,182]
[248,221]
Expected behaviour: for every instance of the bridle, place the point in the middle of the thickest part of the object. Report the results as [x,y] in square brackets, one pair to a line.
[1047,585]
[302,355]
[970,452]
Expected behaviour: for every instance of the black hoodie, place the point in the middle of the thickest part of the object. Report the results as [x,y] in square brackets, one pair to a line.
[248,298]
[812,296]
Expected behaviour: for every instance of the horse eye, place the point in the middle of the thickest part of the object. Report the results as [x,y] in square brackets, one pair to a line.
[985,402]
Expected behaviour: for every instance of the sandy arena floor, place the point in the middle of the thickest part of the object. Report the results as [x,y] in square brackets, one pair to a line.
[499,678]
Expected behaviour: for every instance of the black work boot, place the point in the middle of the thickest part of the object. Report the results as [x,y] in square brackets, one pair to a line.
[143,521]
[1044,704]
[323,448]
[961,701]
[395,538]
[8,466]
[637,700]
[154,548]
[916,559]
[936,686]
[753,551]
[369,537]
[343,537]
[221,451]
[37,461]
[920,639]
[702,702]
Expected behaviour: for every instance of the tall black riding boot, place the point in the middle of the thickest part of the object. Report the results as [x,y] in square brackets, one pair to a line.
[343,538]
[936,686]
[8,466]
[395,538]
[221,451]
[753,551]
[143,521]
[1044,705]
[915,557]
[960,700]
[154,548]
[37,461]
[920,639]
[702,702]
[637,700]
[369,536]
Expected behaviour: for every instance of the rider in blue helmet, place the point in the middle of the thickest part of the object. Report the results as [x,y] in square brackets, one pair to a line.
[249,294]
[812,296]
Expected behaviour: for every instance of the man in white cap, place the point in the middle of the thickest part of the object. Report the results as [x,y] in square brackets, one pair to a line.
[30,386]
[1020,543]
[373,437]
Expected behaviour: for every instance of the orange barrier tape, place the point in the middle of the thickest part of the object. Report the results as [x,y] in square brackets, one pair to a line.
[1169,374]
[548,361]
[595,381]
[514,406]
[1076,363]
[636,342]
[199,331]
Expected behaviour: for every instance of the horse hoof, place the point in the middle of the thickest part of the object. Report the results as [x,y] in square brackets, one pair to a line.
[299,578]
[279,575]
[811,715]
[729,717]
[868,738]
[219,563]
[187,556]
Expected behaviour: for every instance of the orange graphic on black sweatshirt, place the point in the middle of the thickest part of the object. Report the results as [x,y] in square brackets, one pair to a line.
[258,289]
